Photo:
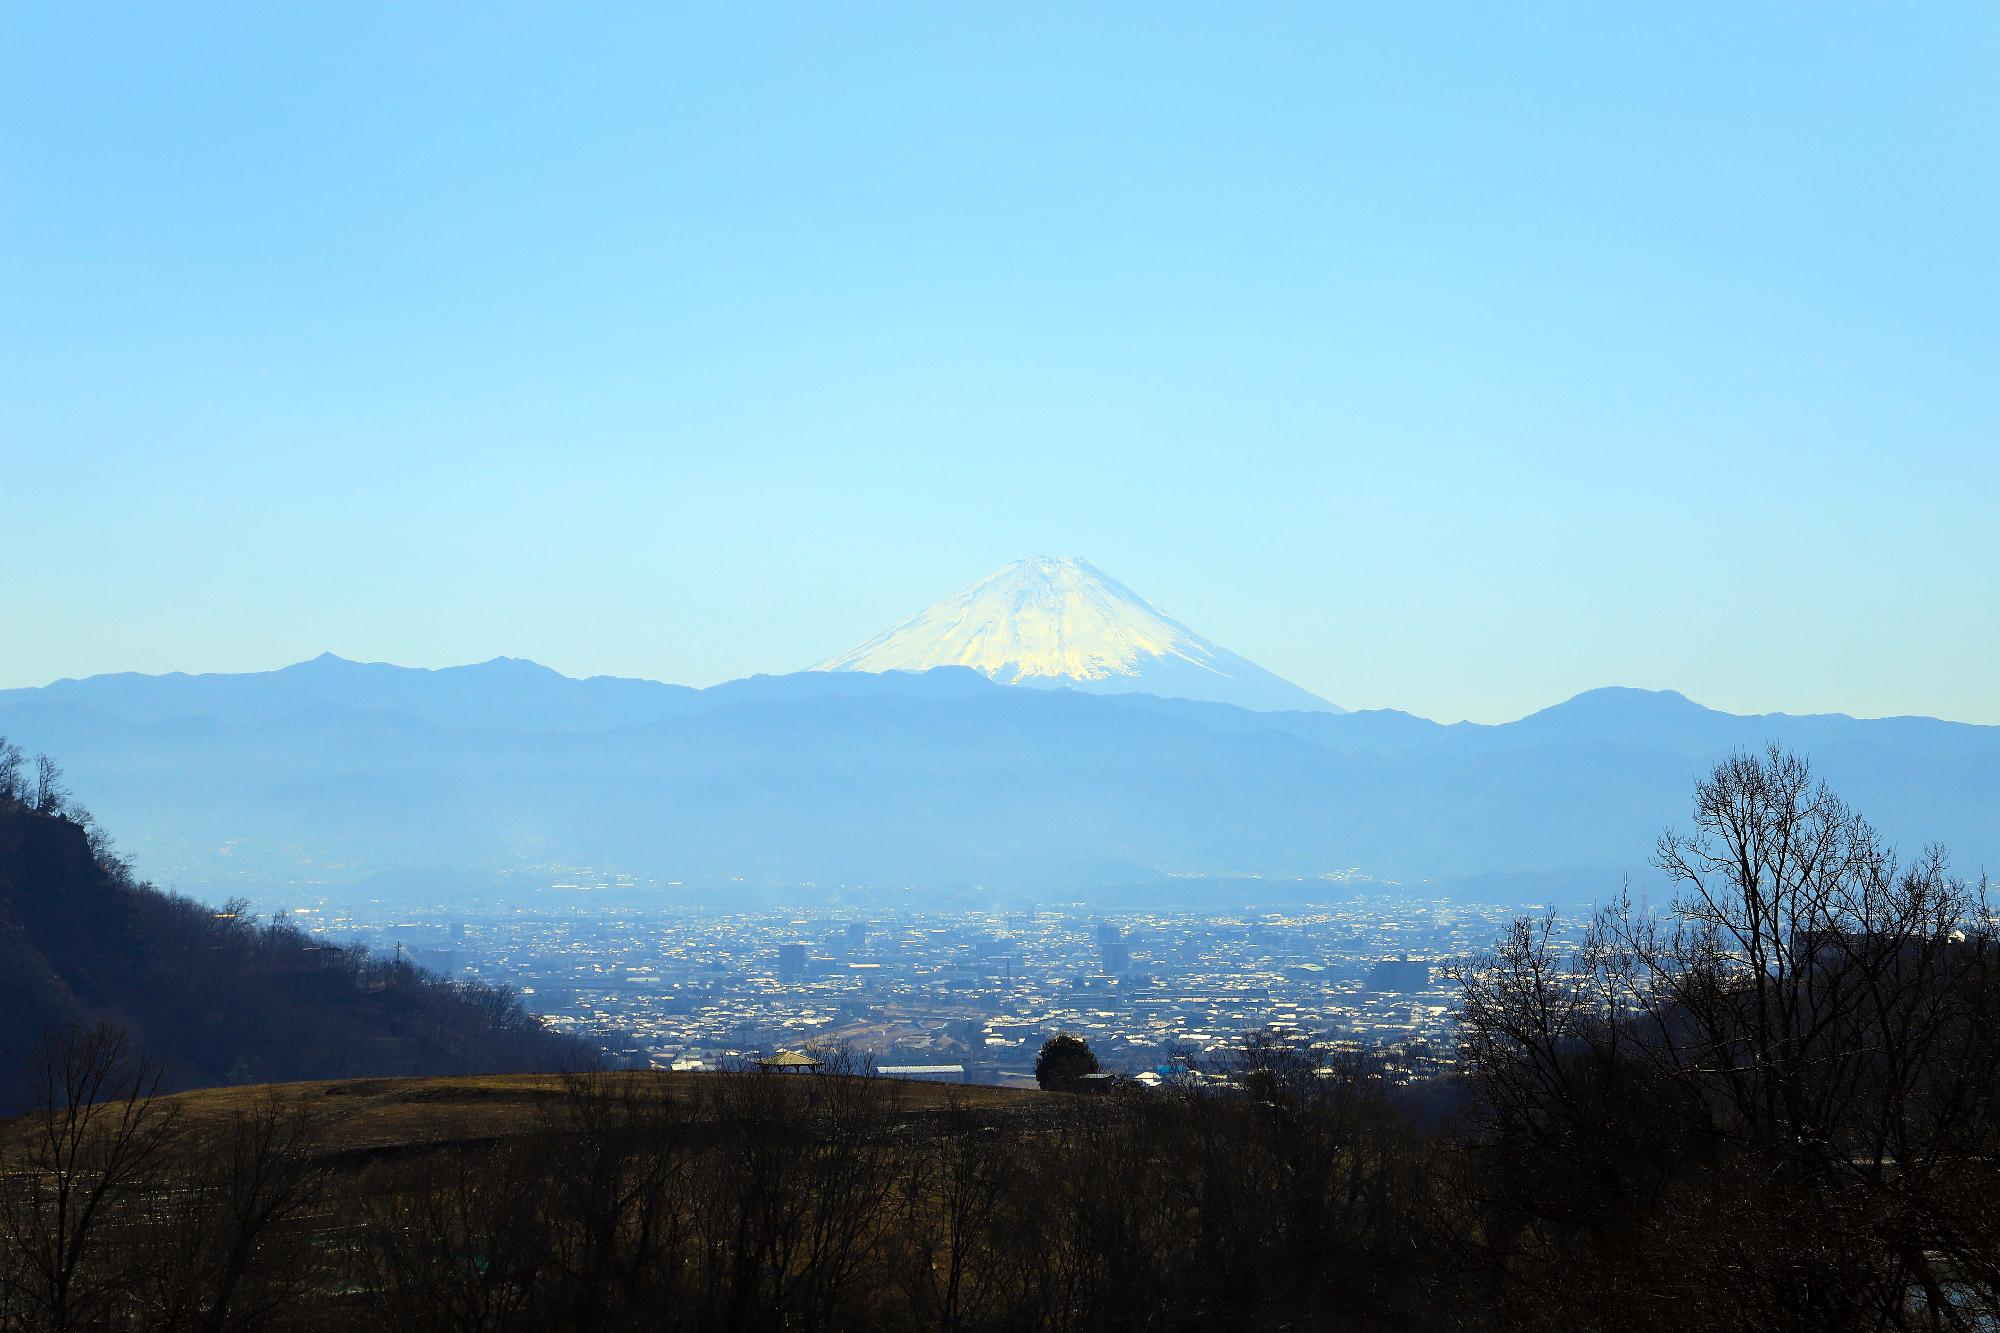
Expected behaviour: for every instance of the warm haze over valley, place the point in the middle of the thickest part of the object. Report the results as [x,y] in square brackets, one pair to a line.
[897,669]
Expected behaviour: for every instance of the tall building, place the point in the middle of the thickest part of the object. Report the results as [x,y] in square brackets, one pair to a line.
[1113,948]
[791,962]
[1399,974]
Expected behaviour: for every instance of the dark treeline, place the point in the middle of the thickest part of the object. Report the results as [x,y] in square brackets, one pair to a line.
[728,1201]
[214,995]
[1770,1106]
[1775,1104]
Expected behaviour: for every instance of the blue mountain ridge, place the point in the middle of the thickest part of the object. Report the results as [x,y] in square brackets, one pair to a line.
[329,772]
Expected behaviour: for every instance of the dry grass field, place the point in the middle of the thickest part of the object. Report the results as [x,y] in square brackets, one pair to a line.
[378,1114]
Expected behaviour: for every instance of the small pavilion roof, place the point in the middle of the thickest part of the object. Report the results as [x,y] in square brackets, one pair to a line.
[788,1060]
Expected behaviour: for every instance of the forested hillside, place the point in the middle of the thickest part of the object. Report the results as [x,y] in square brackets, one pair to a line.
[212,994]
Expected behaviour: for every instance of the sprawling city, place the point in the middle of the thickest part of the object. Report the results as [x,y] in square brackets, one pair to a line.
[966,996]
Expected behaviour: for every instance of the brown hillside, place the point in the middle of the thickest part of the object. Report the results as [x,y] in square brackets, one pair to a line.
[385,1114]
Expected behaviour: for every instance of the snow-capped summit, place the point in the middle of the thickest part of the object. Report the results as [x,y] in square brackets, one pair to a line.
[1061,621]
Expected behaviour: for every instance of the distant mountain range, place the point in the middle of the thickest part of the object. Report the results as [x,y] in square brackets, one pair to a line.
[339,773]
[1061,621]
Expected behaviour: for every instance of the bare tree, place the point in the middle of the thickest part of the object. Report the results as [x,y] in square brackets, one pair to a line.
[794,1203]
[220,1248]
[458,1243]
[51,794]
[956,1178]
[1803,1043]
[12,786]
[619,1206]
[95,1132]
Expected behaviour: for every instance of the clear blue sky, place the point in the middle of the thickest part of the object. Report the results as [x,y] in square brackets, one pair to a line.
[1446,358]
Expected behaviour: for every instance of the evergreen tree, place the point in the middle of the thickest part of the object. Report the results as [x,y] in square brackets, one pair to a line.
[1063,1061]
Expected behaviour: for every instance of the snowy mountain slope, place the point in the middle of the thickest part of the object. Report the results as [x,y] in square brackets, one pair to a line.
[1061,621]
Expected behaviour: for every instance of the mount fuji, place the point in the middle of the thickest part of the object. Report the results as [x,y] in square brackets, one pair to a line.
[1057,621]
